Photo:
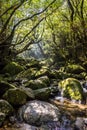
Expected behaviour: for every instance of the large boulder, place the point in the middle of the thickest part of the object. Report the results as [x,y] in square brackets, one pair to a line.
[4,86]
[35,84]
[71,88]
[18,96]
[42,94]
[38,112]
[5,107]
[13,68]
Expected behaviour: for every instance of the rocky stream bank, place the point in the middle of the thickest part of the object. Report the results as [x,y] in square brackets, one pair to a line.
[33,96]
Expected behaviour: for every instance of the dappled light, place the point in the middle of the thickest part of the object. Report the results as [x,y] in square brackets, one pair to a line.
[43,64]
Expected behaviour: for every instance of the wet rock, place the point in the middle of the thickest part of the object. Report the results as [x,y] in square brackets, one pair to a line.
[71,88]
[5,107]
[42,94]
[79,123]
[37,112]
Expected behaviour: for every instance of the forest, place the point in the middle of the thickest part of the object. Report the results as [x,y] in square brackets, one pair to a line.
[43,64]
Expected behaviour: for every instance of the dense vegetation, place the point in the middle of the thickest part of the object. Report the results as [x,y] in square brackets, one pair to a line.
[43,53]
[59,28]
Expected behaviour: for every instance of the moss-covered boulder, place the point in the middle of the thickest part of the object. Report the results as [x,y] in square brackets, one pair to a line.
[4,86]
[35,84]
[29,74]
[42,94]
[42,72]
[33,64]
[15,96]
[71,88]
[5,107]
[74,68]
[45,80]
[13,68]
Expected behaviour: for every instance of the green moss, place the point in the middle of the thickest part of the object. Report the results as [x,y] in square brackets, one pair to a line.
[45,80]
[74,68]
[29,73]
[13,68]
[15,96]
[71,88]
[35,84]
[42,72]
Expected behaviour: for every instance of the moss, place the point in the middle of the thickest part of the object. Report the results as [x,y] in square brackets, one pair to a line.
[45,80]
[13,68]
[29,73]
[15,96]
[74,68]
[42,72]
[35,84]
[34,64]
[71,88]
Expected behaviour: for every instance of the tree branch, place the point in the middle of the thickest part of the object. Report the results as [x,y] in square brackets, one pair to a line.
[8,20]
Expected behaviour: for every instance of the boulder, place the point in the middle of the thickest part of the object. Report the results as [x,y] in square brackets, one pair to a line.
[42,94]
[29,74]
[42,72]
[34,64]
[38,112]
[13,68]
[71,88]
[5,108]
[4,86]
[74,68]
[45,80]
[15,96]
[35,84]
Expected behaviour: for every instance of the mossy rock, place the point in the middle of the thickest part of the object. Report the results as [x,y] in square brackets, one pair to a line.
[6,108]
[35,84]
[29,74]
[45,80]
[4,86]
[13,68]
[33,64]
[74,68]
[42,94]
[15,96]
[71,88]
[43,72]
